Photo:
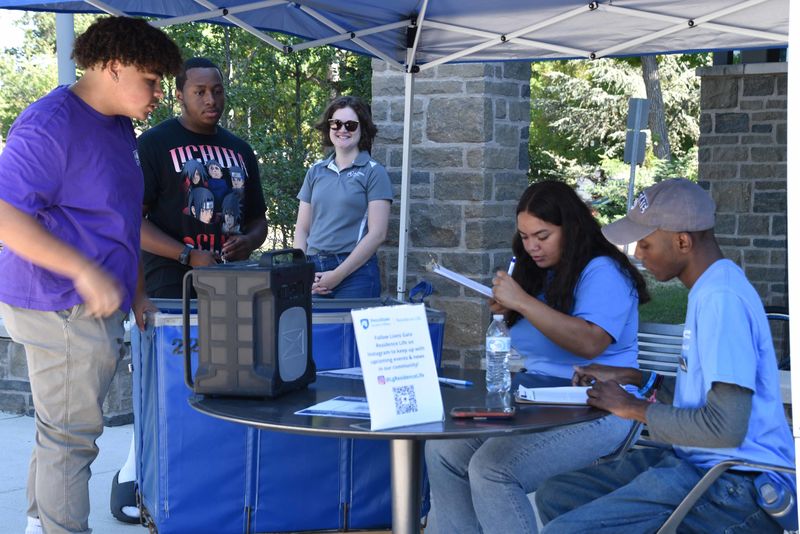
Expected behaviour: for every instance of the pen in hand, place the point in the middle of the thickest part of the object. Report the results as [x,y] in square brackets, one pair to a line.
[511,265]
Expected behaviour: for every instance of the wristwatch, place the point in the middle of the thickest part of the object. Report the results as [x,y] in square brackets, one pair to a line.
[184,256]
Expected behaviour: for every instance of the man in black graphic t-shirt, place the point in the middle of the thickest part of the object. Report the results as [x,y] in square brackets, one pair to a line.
[185,161]
[191,166]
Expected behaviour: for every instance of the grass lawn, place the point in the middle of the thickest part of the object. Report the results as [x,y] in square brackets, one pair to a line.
[667,304]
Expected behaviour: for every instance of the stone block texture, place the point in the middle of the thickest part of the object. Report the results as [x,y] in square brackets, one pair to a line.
[15,390]
[743,165]
[470,143]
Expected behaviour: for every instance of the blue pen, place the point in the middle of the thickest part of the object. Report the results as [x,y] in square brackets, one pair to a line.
[454,382]
[511,265]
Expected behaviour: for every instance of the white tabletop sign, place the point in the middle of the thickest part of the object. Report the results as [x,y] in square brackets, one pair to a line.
[394,345]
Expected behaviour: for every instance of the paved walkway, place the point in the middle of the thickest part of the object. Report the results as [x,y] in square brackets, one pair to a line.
[16,443]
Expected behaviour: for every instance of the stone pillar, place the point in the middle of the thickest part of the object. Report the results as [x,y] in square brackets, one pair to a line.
[742,161]
[469,167]
[15,388]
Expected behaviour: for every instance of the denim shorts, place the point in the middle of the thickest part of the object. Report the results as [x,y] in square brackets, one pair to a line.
[364,282]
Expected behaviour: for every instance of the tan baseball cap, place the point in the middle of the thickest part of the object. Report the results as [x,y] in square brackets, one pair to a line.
[675,205]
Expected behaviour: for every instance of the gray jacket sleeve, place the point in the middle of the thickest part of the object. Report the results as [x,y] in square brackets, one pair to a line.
[721,423]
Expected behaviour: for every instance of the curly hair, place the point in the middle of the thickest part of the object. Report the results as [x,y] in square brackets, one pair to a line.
[131,41]
[581,241]
[368,128]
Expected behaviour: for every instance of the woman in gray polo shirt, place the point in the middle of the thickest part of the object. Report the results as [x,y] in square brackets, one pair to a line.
[344,205]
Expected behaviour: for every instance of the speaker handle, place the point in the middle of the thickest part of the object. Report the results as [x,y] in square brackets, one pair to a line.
[187,351]
[267,258]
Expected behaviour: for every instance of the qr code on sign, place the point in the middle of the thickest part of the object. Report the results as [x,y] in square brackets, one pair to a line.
[405,401]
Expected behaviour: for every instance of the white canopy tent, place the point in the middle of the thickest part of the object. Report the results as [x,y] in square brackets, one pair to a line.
[416,35]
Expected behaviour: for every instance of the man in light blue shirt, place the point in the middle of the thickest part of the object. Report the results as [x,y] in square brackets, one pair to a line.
[725,404]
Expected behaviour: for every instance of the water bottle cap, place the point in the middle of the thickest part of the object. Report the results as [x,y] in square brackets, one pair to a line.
[497,316]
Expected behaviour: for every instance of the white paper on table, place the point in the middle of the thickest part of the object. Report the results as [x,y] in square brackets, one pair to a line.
[341,406]
[461,279]
[553,395]
[350,372]
[394,346]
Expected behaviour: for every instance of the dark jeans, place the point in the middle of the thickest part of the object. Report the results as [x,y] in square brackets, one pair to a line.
[636,494]
[364,282]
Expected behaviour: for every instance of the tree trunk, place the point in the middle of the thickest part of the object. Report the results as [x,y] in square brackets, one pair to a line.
[656,120]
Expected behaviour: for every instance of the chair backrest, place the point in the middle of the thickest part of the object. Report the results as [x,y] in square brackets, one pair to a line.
[778,317]
[660,347]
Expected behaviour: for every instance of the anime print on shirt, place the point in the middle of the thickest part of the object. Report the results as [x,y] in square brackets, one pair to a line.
[213,202]
[199,190]
[196,186]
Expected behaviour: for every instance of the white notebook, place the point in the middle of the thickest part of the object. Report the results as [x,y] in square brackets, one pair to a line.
[575,395]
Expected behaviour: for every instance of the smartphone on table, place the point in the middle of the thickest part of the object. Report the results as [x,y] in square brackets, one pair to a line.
[482,412]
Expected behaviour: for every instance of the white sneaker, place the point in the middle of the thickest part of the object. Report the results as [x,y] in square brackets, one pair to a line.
[34,526]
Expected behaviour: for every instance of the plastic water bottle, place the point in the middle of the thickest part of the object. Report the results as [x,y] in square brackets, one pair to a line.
[498,345]
[777,500]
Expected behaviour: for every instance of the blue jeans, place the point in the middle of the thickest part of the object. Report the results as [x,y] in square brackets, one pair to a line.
[481,484]
[637,493]
[364,282]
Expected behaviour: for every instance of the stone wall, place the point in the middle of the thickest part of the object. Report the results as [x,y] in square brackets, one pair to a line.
[742,161]
[15,390]
[469,167]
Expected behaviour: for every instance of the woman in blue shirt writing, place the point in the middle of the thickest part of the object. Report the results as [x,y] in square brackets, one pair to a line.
[572,299]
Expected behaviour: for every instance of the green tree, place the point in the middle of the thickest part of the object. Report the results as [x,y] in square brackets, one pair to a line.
[578,122]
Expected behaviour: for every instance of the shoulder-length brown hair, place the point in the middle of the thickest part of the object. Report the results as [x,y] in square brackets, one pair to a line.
[368,128]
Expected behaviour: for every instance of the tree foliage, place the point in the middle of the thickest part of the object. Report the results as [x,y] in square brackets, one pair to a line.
[578,124]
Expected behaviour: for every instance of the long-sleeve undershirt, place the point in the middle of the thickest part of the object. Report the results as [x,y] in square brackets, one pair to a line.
[721,423]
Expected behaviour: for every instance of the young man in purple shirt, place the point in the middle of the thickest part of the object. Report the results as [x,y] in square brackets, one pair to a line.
[70,212]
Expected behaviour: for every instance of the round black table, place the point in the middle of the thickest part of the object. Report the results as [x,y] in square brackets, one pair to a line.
[406,443]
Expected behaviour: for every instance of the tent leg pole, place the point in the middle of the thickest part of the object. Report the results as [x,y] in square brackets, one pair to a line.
[65,36]
[405,181]
[792,205]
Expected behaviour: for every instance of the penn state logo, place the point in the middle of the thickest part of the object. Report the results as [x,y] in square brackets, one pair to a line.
[364,323]
[641,203]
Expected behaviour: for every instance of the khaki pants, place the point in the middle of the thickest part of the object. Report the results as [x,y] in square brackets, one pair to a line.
[72,359]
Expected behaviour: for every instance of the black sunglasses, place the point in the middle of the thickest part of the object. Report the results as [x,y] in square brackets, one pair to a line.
[350,126]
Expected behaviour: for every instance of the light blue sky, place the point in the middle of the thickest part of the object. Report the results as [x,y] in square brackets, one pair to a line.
[10,35]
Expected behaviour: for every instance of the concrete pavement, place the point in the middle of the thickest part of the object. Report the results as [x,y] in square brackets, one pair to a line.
[16,443]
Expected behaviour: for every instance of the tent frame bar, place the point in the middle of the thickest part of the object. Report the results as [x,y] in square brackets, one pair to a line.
[412,54]
[345,36]
[214,13]
[245,26]
[502,39]
[683,24]
[360,42]
[107,8]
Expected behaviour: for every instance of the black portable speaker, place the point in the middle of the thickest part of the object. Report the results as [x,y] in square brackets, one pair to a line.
[254,326]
